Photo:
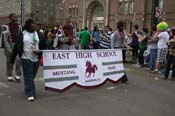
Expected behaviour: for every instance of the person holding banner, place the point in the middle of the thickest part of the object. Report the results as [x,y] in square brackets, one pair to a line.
[105,38]
[85,38]
[118,39]
[28,46]
[95,34]
[65,37]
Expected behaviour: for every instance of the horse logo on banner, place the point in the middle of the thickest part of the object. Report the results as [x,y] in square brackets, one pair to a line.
[91,69]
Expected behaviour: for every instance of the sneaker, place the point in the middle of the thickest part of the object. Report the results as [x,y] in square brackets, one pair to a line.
[11,79]
[136,65]
[140,66]
[160,72]
[165,78]
[18,78]
[30,99]
[152,71]
[155,71]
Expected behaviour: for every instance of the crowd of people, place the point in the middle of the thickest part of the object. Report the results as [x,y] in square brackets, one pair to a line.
[23,45]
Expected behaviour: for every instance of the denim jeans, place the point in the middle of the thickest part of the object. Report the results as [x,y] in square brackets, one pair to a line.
[170,61]
[29,71]
[153,58]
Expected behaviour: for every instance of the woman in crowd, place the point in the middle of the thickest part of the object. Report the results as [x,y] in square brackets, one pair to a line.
[153,55]
[27,47]
[135,44]
[171,57]
[143,41]
[96,38]
[163,38]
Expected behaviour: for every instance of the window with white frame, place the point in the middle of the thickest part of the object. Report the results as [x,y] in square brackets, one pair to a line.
[131,8]
[126,8]
[121,7]
[161,4]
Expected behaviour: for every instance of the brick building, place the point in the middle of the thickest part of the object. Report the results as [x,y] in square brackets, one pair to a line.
[43,11]
[108,12]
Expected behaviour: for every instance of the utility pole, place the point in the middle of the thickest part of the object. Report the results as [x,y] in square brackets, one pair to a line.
[22,12]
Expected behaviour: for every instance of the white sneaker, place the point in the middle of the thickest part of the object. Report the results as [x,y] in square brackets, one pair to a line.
[30,98]
[11,79]
[18,78]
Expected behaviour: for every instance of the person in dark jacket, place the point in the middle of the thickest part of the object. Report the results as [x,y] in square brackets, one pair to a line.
[12,29]
[135,44]
[28,46]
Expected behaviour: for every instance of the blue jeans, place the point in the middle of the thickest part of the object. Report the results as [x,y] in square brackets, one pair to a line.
[29,71]
[153,58]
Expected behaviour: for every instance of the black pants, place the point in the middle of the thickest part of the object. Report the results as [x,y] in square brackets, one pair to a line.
[135,53]
[124,56]
[96,45]
[124,79]
[123,53]
[170,61]
[141,57]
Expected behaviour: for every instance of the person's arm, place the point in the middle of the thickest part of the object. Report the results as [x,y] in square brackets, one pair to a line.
[55,41]
[6,40]
[142,38]
[18,48]
[154,38]
[113,40]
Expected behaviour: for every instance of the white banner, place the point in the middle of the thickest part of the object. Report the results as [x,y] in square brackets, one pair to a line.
[89,68]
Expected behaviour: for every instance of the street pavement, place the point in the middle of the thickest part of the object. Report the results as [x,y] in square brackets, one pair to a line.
[145,94]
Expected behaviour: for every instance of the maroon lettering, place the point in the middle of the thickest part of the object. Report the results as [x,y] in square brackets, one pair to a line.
[80,55]
[106,54]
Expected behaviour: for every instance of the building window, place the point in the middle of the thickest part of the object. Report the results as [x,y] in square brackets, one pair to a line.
[61,12]
[161,4]
[77,11]
[28,10]
[44,4]
[73,11]
[121,9]
[38,3]
[44,20]
[70,11]
[126,8]
[131,8]
[123,6]
[51,5]
[51,12]
[44,11]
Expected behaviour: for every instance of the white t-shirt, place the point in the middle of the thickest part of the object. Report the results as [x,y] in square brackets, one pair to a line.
[30,46]
[163,39]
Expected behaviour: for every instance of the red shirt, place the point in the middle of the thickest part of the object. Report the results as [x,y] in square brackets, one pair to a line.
[14,30]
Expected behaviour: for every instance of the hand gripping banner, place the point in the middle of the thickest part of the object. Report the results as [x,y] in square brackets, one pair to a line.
[84,68]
